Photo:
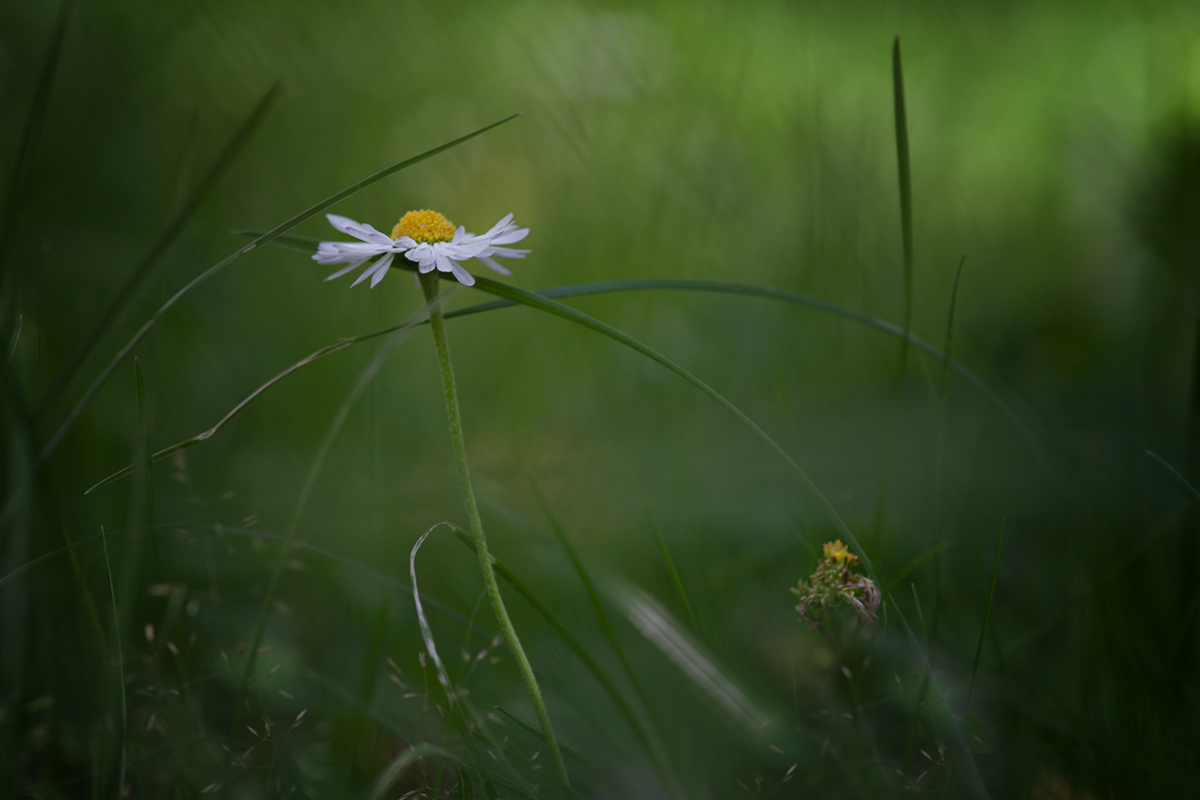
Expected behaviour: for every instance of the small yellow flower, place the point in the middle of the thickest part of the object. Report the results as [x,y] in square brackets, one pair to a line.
[838,553]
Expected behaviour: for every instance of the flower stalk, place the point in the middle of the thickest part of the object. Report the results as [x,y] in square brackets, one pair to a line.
[429,285]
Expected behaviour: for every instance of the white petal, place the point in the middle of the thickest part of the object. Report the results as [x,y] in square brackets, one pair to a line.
[381,269]
[491,262]
[463,276]
[508,252]
[446,264]
[353,266]
[341,223]
[370,271]
[404,242]
[511,237]
[499,225]
[375,237]
[425,266]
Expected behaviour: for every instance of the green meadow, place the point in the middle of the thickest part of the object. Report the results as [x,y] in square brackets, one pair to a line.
[838,436]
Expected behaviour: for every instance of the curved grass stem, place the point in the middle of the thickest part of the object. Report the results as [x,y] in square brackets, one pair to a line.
[429,285]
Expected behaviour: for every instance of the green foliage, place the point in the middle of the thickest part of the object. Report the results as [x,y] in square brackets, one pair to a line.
[243,618]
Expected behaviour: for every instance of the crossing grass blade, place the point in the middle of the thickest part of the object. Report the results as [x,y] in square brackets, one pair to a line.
[10,350]
[153,258]
[94,389]
[614,642]
[916,562]
[580,651]
[987,615]
[1166,464]
[940,449]
[670,562]
[610,287]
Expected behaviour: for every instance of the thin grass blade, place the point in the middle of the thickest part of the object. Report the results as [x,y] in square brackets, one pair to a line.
[11,350]
[153,258]
[670,562]
[987,615]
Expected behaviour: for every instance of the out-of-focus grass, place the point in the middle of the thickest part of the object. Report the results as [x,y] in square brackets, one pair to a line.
[676,140]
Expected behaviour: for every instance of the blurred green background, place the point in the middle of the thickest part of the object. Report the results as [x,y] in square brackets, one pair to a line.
[1055,146]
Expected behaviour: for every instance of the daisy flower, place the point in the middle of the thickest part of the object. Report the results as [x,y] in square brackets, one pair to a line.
[424,237]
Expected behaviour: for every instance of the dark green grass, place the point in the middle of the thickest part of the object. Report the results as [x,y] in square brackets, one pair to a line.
[676,164]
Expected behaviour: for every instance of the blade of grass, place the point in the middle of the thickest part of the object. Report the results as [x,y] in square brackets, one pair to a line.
[565,634]
[610,633]
[56,439]
[1186,483]
[987,615]
[153,258]
[905,180]
[10,350]
[670,562]
[916,562]
[940,452]
[532,731]
[89,602]
[366,689]
[905,174]
[144,440]
[31,133]
[120,664]
[608,287]
[453,697]
[566,312]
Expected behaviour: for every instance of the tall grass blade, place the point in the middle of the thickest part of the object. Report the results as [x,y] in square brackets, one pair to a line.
[987,615]
[153,258]
[905,174]
[112,592]
[670,562]
[577,648]
[10,350]
[89,602]
[532,731]
[366,689]
[905,180]
[610,633]
[655,623]
[940,451]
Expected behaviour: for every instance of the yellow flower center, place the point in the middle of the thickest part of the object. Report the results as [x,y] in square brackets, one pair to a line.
[424,227]
[838,553]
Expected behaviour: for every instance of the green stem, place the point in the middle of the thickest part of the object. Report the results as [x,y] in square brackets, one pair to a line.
[429,284]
